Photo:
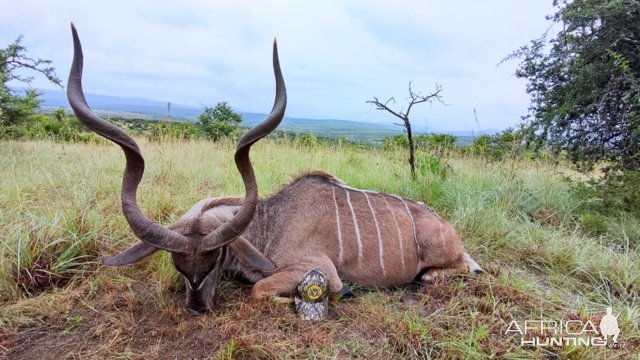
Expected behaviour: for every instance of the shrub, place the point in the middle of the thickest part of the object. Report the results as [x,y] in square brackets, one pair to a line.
[170,130]
[57,126]
[434,142]
[219,121]
[306,139]
[508,143]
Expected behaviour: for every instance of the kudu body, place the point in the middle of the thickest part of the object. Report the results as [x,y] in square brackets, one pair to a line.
[360,236]
[365,237]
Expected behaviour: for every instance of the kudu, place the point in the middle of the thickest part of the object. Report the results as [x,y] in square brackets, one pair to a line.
[316,222]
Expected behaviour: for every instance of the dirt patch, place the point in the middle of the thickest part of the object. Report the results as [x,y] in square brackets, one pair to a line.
[137,321]
[131,324]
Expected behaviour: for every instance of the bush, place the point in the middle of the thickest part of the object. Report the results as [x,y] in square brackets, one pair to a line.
[508,143]
[435,142]
[306,139]
[430,164]
[621,190]
[593,223]
[219,121]
[57,126]
[439,142]
[169,130]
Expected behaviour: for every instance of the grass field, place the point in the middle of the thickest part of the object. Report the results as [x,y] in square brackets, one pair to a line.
[546,258]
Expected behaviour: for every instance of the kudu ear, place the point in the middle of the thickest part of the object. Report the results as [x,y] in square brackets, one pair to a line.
[132,255]
[250,256]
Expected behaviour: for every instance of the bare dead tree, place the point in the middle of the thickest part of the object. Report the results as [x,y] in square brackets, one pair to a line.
[414,98]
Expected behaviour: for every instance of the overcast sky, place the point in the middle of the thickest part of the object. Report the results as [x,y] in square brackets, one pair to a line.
[335,54]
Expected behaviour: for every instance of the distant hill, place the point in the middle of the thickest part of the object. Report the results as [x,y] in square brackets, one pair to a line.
[128,107]
[114,106]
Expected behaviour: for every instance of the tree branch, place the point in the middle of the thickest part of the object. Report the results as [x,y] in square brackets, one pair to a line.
[380,106]
[414,98]
[13,58]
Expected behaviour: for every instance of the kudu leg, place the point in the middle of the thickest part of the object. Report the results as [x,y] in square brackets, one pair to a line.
[432,274]
[284,282]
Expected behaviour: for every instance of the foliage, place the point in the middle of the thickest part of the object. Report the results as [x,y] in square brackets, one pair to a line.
[15,108]
[393,142]
[620,193]
[134,126]
[172,130]
[583,83]
[430,164]
[219,121]
[623,191]
[438,142]
[508,143]
[306,139]
[56,126]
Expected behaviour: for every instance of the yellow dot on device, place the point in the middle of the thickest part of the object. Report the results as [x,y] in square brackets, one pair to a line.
[314,292]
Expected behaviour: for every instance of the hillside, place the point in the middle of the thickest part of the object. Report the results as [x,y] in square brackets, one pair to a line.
[113,106]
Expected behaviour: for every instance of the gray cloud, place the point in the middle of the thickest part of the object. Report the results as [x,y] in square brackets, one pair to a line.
[335,54]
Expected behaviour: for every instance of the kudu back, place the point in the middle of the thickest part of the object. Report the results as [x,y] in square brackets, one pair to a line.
[369,238]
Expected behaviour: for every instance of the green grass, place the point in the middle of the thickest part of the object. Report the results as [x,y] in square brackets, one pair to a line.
[60,213]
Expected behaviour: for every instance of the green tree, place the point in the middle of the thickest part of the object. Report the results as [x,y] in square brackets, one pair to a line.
[14,107]
[583,83]
[219,121]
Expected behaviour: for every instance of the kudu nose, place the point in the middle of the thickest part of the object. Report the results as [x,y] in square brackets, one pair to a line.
[196,311]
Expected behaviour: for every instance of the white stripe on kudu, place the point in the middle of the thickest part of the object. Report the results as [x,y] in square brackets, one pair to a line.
[355,225]
[375,221]
[340,254]
[395,221]
[413,222]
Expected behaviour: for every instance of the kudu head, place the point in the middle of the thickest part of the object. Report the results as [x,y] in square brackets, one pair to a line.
[200,257]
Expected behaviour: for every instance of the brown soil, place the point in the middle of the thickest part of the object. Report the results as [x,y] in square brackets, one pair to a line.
[138,321]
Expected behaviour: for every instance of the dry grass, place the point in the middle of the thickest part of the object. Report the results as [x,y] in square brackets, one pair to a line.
[60,212]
